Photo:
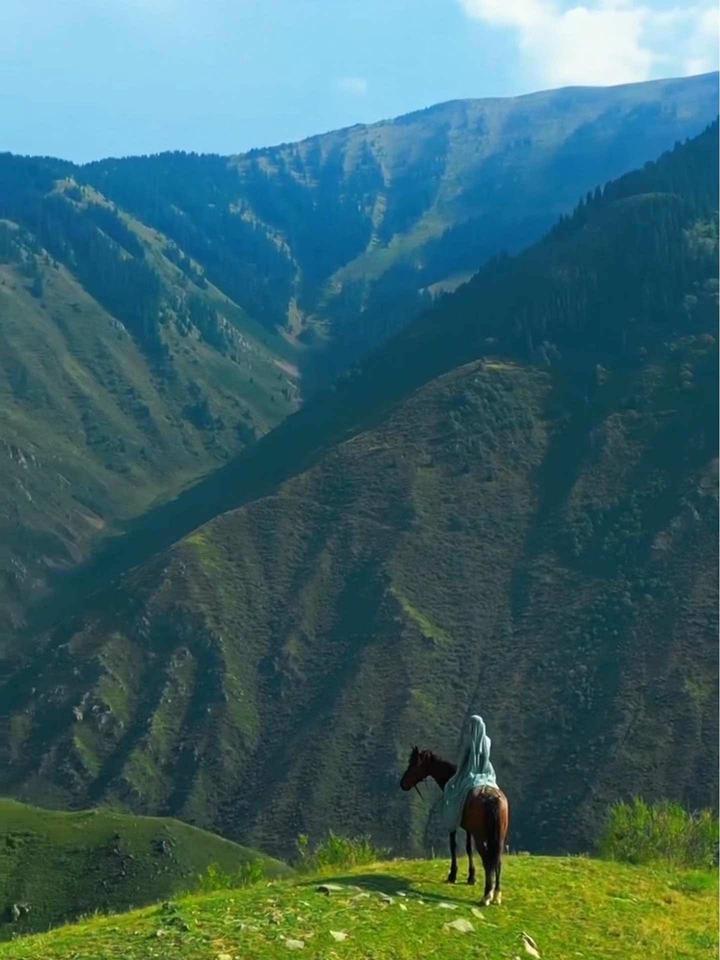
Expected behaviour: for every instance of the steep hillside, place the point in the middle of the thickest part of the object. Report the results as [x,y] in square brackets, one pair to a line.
[123,375]
[511,508]
[342,238]
[55,867]
[179,294]
[604,911]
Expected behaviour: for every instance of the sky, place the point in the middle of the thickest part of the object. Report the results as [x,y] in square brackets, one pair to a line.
[84,79]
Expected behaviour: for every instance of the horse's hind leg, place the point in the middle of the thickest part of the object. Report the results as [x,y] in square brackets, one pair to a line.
[469,849]
[489,872]
[452,876]
[497,894]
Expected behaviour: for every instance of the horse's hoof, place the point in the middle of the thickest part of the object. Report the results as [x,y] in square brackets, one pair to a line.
[486,901]
[451,879]
[497,899]
[471,881]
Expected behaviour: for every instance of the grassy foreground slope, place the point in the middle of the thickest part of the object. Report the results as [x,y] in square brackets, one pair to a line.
[569,907]
[56,866]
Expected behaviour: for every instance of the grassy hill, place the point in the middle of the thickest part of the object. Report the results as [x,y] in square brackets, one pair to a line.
[122,376]
[569,907]
[55,867]
[510,509]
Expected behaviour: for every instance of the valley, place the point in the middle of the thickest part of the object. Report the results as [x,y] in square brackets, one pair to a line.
[508,507]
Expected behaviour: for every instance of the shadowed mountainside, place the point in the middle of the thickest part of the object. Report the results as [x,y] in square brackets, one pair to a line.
[510,507]
[154,311]
[124,375]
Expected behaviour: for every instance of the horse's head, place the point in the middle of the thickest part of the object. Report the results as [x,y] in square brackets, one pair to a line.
[418,768]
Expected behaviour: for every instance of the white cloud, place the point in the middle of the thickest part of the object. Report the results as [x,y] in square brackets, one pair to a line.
[358,86]
[604,41]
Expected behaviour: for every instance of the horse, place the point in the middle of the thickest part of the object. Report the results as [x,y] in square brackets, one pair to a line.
[485,819]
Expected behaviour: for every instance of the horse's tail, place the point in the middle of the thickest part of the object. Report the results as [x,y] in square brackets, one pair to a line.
[496,812]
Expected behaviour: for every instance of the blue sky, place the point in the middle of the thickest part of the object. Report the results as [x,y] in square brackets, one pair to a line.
[84,79]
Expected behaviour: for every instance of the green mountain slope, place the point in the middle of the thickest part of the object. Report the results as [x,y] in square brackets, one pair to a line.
[122,378]
[55,867]
[563,906]
[180,293]
[342,238]
[509,508]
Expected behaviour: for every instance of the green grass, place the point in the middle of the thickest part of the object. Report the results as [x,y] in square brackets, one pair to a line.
[570,907]
[63,865]
[639,832]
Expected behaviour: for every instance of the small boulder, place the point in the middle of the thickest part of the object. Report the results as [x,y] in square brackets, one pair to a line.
[461,925]
[531,948]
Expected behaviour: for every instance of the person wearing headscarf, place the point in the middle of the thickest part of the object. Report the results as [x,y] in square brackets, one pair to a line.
[474,770]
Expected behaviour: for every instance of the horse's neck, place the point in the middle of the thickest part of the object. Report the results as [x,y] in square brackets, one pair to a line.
[441,771]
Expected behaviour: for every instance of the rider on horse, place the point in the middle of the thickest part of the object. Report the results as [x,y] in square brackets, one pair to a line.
[474,770]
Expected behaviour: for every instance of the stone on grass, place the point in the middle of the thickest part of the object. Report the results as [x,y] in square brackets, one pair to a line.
[461,925]
[338,935]
[531,948]
[295,944]
[328,888]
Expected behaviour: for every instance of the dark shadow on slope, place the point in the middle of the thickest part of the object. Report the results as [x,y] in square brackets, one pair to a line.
[395,886]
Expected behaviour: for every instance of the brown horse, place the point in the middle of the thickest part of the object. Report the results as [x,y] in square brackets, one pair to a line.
[485,819]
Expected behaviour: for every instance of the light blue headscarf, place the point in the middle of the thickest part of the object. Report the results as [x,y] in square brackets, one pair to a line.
[474,770]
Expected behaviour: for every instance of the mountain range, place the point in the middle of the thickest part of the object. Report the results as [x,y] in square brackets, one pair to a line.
[508,506]
[159,314]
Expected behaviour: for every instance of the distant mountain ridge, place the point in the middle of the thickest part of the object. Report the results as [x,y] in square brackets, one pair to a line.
[510,506]
[343,237]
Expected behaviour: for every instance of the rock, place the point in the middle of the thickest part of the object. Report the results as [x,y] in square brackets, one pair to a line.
[328,888]
[402,906]
[477,912]
[531,948]
[18,910]
[338,935]
[447,906]
[461,925]
[386,898]
[295,944]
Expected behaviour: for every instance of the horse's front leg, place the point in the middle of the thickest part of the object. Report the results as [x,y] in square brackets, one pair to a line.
[452,876]
[469,849]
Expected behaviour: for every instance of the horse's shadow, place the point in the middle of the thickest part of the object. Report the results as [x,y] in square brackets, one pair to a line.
[394,886]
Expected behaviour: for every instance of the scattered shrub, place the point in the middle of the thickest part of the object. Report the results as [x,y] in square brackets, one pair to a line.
[639,832]
[335,851]
[215,878]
